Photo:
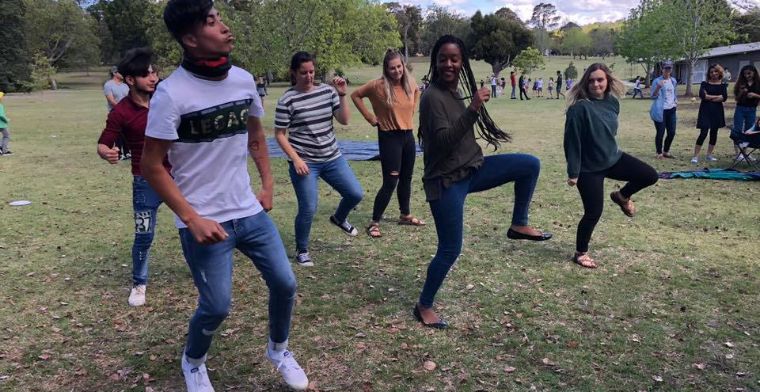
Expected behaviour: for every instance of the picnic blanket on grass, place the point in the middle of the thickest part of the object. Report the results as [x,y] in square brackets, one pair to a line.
[353,150]
[713,174]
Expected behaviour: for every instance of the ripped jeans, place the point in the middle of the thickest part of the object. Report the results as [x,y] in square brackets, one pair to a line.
[257,237]
[145,203]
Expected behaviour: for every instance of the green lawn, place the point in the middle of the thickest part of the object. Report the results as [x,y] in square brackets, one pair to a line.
[673,306]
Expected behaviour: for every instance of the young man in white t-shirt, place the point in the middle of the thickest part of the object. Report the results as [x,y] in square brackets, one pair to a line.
[207,116]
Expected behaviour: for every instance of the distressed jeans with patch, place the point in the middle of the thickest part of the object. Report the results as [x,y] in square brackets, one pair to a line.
[145,203]
[257,237]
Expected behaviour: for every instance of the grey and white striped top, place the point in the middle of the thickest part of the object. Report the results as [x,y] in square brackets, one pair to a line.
[308,117]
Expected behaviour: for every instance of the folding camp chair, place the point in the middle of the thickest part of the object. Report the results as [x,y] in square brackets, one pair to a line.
[748,145]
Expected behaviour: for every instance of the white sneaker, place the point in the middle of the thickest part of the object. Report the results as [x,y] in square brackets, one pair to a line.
[694,160]
[739,158]
[711,158]
[291,372]
[196,377]
[137,295]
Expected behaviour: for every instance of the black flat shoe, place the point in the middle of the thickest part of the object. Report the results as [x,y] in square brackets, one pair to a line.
[439,325]
[516,235]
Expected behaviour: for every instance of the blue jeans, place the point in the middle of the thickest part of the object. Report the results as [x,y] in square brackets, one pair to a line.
[336,173]
[744,118]
[448,210]
[257,237]
[145,203]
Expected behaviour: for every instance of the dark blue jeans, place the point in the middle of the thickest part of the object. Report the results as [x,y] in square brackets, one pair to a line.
[257,237]
[668,124]
[448,210]
[145,203]
[336,173]
[744,119]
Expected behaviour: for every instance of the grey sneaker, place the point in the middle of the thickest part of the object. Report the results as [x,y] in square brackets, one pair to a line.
[711,158]
[303,259]
[291,372]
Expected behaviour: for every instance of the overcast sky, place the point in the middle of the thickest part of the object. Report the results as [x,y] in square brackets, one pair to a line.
[579,11]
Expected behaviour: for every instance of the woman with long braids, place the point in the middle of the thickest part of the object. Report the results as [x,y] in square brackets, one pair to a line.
[593,154]
[455,166]
[394,96]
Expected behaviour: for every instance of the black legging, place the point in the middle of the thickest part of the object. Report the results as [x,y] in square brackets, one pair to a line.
[523,92]
[591,187]
[668,123]
[397,154]
[703,135]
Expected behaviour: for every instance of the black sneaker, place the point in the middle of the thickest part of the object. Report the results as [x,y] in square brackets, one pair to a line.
[303,259]
[345,226]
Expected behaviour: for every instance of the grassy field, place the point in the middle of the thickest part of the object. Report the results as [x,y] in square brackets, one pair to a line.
[673,306]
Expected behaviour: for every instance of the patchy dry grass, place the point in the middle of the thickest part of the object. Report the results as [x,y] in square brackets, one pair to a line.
[672,307]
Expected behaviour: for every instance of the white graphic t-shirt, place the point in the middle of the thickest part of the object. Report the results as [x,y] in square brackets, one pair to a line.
[206,120]
[670,94]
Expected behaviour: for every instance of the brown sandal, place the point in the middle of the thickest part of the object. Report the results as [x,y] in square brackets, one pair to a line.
[584,260]
[626,205]
[373,230]
[410,220]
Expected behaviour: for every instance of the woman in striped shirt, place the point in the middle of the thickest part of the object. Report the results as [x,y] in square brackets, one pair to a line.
[304,131]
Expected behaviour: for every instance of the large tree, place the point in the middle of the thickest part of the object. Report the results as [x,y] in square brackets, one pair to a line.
[339,32]
[441,21]
[644,38]
[544,19]
[576,42]
[409,19]
[497,40]
[746,25]
[14,59]
[602,41]
[697,26]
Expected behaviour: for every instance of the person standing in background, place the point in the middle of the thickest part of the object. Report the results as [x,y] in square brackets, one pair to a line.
[513,82]
[4,128]
[115,90]
[663,110]
[713,92]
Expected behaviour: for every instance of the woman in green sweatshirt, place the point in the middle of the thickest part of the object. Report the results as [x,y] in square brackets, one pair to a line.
[592,153]
[455,166]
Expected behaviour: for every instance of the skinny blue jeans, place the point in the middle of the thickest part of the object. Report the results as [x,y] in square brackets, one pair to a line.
[257,237]
[448,210]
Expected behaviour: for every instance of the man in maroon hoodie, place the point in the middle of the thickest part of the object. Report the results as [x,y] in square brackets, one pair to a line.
[128,120]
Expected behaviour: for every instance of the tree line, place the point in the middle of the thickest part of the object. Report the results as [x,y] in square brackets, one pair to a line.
[42,36]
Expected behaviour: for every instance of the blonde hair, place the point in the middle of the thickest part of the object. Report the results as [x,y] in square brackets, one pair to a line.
[716,67]
[580,92]
[406,82]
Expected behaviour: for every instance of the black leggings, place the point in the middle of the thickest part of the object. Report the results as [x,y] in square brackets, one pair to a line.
[703,136]
[397,154]
[591,187]
[523,92]
[668,123]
